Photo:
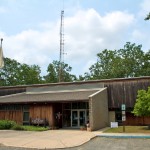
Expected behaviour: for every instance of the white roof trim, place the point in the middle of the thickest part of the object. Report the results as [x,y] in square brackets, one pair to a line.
[97,92]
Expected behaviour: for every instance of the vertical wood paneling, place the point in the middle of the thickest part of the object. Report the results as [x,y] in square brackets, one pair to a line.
[125,91]
[133,120]
[43,112]
[11,115]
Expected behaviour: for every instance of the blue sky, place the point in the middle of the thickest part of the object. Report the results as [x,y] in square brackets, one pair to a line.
[30,29]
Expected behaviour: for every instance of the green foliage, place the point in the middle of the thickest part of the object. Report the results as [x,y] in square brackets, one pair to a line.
[15,73]
[53,72]
[6,124]
[147,17]
[35,128]
[18,127]
[142,105]
[29,128]
[130,61]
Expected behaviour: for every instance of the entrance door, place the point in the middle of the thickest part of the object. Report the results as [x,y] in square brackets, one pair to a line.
[78,118]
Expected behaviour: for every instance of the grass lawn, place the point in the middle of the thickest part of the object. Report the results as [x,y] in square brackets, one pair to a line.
[35,128]
[129,129]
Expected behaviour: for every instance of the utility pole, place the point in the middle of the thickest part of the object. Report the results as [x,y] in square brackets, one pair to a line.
[61,56]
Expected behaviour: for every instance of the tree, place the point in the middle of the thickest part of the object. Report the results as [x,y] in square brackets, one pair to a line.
[53,72]
[106,66]
[15,73]
[147,17]
[130,61]
[30,74]
[142,105]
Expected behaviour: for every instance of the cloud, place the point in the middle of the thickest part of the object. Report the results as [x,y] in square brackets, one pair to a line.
[86,33]
[145,8]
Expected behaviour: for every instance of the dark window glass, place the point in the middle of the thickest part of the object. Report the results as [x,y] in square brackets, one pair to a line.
[2,107]
[26,107]
[26,117]
[118,117]
[82,105]
[67,118]
[74,105]
[67,105]
[10,107]
[87,105]
[17,107]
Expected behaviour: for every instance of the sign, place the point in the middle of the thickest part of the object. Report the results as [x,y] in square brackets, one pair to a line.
[123,112]
[123,107]
[114,124]
[123,118]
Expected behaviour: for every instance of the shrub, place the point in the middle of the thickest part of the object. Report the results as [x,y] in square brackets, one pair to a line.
[35,128]
[18,127]
[6,124]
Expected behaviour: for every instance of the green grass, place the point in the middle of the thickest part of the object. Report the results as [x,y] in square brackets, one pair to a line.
[35,128]
[129,129]
[29,128]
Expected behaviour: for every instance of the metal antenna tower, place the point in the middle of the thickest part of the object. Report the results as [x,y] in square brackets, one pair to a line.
[61,56]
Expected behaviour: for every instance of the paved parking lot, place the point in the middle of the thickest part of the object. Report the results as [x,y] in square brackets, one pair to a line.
[100,143]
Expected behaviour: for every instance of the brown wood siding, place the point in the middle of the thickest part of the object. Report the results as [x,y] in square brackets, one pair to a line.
[119,90]
[12,115]
[133,120]
[43,112]
[125,92]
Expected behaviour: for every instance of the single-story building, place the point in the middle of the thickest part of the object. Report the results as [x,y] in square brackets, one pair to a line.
[73,104]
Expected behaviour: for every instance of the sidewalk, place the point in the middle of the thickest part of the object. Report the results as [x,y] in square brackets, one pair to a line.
[43,140]
[62,138]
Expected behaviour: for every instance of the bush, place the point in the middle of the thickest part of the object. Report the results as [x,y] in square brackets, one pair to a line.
[18,127]
[35,128]
[6,124]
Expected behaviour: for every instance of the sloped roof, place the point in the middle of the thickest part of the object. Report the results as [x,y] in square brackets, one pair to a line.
[63,96]
[59,88]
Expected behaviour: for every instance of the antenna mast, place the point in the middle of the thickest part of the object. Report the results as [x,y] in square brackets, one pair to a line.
[61,56]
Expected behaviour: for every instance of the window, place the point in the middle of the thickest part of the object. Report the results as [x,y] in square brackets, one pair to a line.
[80,105]
[26,107]
[67,105]
[2,107]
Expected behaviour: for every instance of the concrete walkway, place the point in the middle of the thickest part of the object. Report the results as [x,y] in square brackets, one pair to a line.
[55,138]
[46,139]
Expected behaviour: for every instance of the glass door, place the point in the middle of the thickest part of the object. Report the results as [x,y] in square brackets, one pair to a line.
[78,118]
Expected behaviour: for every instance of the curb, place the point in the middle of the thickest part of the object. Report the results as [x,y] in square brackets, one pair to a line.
[126,136]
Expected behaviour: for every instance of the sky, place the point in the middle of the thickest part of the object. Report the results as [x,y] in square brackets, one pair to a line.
[30,29]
